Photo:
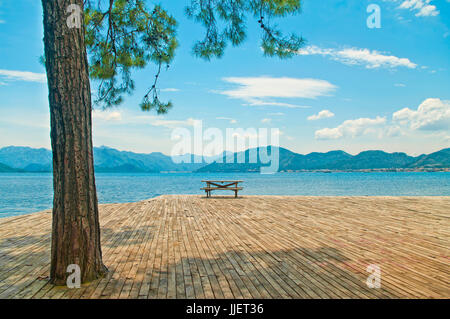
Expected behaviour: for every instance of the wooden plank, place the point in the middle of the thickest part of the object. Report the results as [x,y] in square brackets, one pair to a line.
[183,246]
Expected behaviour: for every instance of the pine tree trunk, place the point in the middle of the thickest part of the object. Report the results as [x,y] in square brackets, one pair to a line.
[75,229]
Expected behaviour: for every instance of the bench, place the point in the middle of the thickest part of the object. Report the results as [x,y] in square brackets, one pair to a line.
[222,185]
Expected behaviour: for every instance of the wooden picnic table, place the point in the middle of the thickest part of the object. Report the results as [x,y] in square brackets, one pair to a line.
[222,185]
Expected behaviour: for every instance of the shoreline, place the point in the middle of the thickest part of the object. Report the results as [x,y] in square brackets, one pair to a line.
[370,170]
[355,197]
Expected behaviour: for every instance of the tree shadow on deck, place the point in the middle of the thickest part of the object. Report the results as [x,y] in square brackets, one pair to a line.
[242,272]
[24,249]
[126,236]
[110,238]
[291,273]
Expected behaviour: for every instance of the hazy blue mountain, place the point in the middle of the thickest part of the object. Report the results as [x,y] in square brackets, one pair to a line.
[315,161]
[8,169]
[288,160]
[440,159]
[21,157]
[337,160]
[14,158]
[375,159]
[111,160]
[105,160]
[38,168]
[239,162]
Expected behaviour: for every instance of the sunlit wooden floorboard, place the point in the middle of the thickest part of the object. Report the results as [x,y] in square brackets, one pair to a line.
[250,247]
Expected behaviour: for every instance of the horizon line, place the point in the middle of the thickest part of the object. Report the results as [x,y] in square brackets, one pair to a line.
[234,152]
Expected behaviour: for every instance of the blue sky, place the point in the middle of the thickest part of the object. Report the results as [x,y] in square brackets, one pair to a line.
[351,87]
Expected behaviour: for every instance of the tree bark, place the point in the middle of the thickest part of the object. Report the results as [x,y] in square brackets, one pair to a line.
[75,227]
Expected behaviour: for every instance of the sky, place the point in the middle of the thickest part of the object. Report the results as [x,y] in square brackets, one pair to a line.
[350,87]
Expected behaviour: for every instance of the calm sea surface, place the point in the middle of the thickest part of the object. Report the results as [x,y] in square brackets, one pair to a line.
[27,193]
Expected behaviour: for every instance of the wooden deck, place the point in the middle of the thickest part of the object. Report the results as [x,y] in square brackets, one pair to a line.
[250,247]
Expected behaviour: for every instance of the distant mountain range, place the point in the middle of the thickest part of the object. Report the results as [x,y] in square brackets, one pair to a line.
[26,159]
[337,161]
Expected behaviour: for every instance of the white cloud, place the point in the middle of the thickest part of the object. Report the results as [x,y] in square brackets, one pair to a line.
[259,87]
[351,128]
[170,90]
[432,115]
[258,91]
[26,76]
[321,115]
[355,56]
[174,123]
[257,102]
[2,21]
[125,118]
[423,8]
[266,121]
[107,115]
[393,131]
[401,85]
[232,121]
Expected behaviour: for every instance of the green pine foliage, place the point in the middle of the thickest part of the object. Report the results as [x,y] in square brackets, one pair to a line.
[126,35]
